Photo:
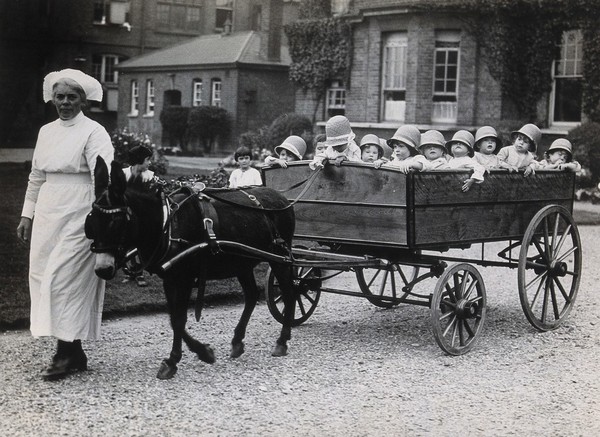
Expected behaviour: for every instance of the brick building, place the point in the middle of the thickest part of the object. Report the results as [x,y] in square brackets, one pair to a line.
[413,64]
[40,36]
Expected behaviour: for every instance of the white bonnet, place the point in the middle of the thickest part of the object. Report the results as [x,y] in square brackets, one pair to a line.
[91,87]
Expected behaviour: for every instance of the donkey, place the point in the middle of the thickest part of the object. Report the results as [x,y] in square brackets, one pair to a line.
[136,215]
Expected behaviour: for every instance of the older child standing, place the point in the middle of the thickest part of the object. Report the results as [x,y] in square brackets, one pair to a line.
[292,149]
[245,175]
[404,144]
[487,145]
[461,149]
[520,153]
[340,143]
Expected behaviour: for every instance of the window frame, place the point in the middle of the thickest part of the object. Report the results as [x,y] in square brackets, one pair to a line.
[445,102]
[134,104]
[335,93]
[150,93]
[189,21]
[197,87]
[396,43]
[216,88]
[103,66]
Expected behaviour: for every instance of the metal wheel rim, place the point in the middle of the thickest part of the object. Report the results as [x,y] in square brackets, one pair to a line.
[549,267]
[386,282]
[458,309]
[306,301]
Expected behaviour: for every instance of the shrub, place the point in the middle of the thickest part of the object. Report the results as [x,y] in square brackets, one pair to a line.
[207,123]
[218,178]
[174,121]
[123,141]
[586,149]
[286,125]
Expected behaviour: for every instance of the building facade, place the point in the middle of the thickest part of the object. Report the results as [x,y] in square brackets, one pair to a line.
[422,66]
[40,36]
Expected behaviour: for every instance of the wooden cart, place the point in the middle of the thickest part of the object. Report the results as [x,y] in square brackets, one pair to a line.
[392,230]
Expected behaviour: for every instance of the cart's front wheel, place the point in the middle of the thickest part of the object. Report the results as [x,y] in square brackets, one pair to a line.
[549,267]
[307,290]
[458,308]
[383,287]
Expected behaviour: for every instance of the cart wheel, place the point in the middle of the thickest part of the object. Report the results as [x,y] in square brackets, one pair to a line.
[387,283]
[458,308]
[549,267]
[307,285]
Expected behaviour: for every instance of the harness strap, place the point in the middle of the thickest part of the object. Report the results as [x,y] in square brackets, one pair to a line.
[211,223]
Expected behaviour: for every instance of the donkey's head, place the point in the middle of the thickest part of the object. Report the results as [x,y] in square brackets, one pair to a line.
[110,224]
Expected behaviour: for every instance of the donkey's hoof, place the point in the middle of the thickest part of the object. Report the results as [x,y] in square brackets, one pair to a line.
[206,354]
[166,370]
[237,350]
[280,350]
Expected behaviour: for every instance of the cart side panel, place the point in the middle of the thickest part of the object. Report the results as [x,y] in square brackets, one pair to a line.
[500,208]
[351,203]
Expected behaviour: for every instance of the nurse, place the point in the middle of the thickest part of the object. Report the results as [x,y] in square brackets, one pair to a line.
[66,295]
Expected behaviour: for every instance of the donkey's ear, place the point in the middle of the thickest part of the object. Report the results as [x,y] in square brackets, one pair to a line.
[100,177]
[118,183]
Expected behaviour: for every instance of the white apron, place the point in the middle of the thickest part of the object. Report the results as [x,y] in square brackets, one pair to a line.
[66,295]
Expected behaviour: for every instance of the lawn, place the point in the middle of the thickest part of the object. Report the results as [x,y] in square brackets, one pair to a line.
[120,297]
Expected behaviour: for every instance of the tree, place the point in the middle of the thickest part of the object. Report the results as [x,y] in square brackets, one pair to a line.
[320,49]
[209,123]
[289,124]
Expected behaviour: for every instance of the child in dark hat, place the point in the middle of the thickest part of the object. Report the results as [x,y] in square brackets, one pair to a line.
[139,159]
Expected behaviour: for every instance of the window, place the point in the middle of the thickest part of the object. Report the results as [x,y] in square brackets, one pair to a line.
[339,7]
[103,68]
[149,97]
[256,18]
[336,99]
[111,11]
[567,72]
[135,98]
[445,76]
[215,99]
[394,76]
[197,92]
[224,11]
[179,15]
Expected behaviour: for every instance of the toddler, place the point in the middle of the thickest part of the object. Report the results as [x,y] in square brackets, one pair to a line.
[292,149]
[404,144]
[139,160]
[339,142]
[373,151]
[319,145]
[486,147]
[245,175]
[520,153]
[559,156]
[433,150]
[461,149]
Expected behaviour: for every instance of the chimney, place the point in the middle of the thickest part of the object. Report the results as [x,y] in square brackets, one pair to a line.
[271,30]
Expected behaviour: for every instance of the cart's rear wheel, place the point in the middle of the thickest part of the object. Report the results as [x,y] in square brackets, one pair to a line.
[549,267]
[458,308]
[307,288]
[385,283]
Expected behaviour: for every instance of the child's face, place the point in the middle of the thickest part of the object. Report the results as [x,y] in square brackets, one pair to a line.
[522,143]
[144,165]
[487,146]
[244,162]
[370,153]
[558,157]
[341,147]
[320,148]
[401,151]
[286,156]
[432,152]
[459,150]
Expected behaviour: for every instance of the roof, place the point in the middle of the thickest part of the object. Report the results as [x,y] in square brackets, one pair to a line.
[217,49]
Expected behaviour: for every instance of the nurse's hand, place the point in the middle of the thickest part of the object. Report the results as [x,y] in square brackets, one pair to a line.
[24,230]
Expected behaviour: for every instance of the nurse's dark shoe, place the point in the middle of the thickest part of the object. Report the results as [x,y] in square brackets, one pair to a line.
[69,358]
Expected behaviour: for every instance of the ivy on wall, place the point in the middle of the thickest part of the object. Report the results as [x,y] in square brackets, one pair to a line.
[320,49]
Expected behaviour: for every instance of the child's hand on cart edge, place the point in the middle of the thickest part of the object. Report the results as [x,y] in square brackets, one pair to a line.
[467,184]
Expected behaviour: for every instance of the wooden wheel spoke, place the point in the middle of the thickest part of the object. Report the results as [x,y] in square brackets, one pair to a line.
[542,254]
[457,284]
[563,291]
[454,332]
[555,232]
[373,278]
[537,293]
[461,334]
[545,302]
[308,297]
[278,298]
[446,315]
[554,302]
[567,253]
[450,325]
[305,273]
[472,286]
[547,248]
[465,283]
[393,284]
[563,237]
[301,305]
[468,329]
[383,283]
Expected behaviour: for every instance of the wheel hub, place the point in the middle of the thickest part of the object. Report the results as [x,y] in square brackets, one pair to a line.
[558,269]
[466,309]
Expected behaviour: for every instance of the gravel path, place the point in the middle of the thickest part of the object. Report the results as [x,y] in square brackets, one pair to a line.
[352,370]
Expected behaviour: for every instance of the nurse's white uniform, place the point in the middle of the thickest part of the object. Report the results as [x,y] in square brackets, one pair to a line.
[66,294]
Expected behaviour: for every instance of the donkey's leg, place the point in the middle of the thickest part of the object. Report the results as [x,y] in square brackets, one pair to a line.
[248,283]
[284,276]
